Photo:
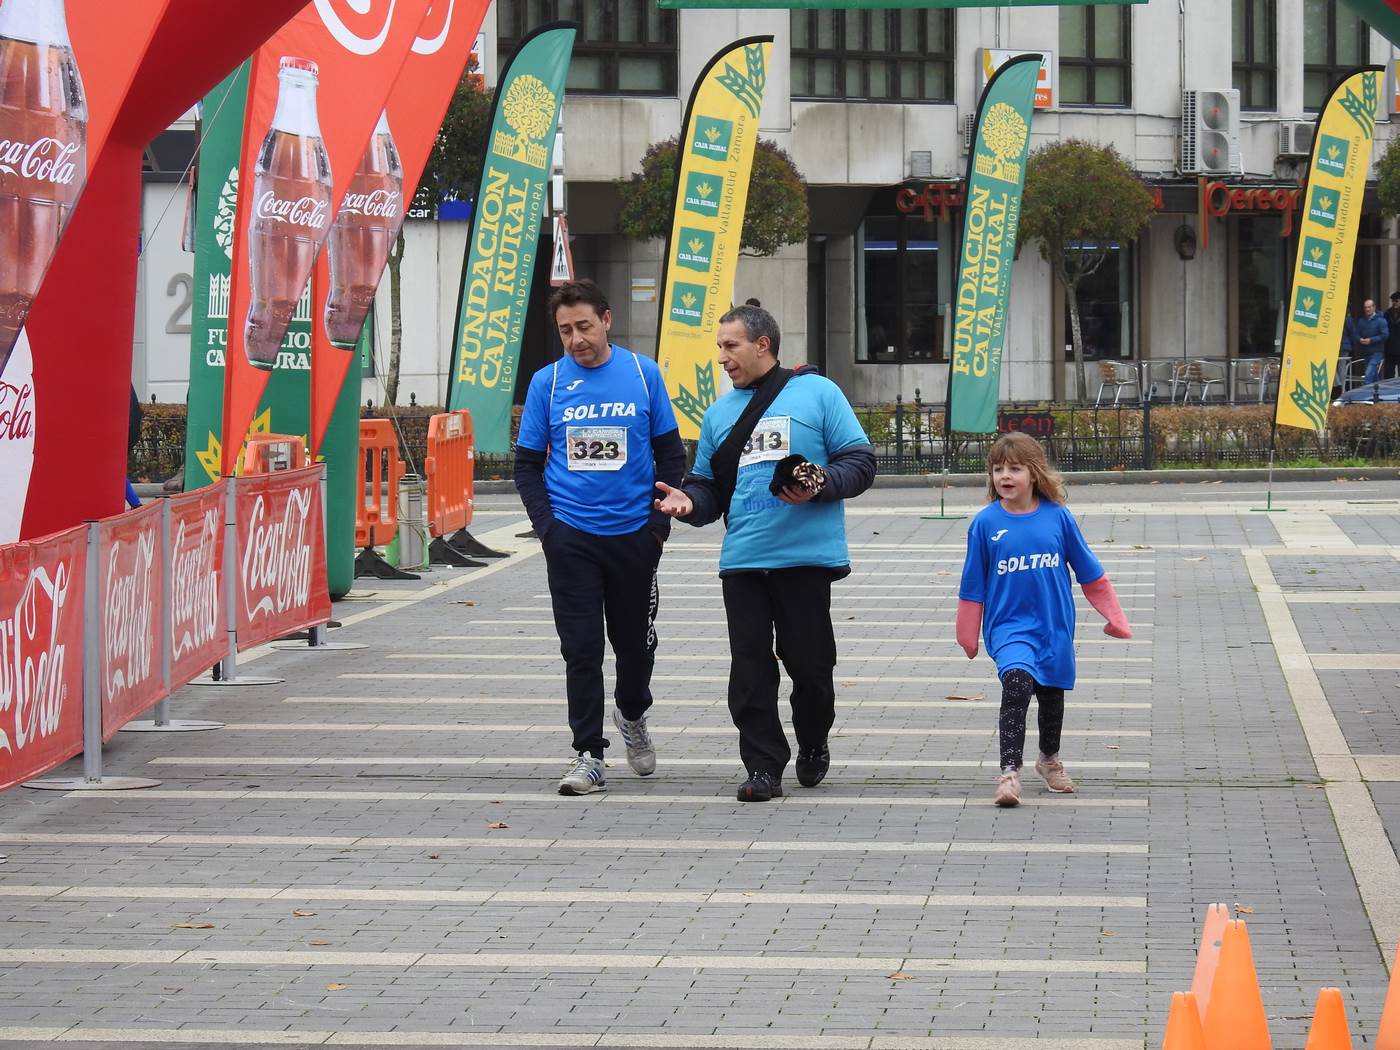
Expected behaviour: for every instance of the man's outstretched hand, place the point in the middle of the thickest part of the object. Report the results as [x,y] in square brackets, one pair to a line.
[674,502]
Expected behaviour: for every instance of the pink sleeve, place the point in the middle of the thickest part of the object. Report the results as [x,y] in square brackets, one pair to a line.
[969,625]
[1102,597]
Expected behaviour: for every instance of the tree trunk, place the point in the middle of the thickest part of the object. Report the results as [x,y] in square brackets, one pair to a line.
[391,380]
[1081,386]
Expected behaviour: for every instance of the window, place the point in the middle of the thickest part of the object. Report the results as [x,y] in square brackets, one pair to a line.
[624,47]
[1261,283]
[1095,56]
[1106,308]
[901,55]
[899,290]
[1335,44]
[1254,59]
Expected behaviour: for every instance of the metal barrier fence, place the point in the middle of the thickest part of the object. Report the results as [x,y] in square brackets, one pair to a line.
[908,436]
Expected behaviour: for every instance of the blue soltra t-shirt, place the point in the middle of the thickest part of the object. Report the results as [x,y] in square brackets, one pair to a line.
[810,416]
[597,424]
[1018,567]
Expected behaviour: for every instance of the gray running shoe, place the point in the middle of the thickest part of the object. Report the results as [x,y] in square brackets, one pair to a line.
[641,756]
[585,774]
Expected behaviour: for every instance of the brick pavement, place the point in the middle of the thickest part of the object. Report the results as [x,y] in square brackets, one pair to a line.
[323,871]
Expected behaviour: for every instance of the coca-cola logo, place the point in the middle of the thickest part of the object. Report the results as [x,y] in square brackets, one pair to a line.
[128,630]
[45,159]
[432,32]
[32,659]
[381,204]
[305,211]
[363,28]
[277,558]
[16,411]
[194,584]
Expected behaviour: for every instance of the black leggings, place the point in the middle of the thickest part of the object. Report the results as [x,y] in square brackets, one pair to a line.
[1017,687]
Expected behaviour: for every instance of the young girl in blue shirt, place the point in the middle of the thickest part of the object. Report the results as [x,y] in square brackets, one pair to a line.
[1015,592]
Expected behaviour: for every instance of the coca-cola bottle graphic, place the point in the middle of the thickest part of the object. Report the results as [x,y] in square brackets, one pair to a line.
[363,233]
[43,151]
[291,208]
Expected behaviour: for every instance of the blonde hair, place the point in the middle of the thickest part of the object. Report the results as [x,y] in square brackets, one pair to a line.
[1025,450]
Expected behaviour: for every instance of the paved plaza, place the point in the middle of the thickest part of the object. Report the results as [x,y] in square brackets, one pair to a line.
[373,854]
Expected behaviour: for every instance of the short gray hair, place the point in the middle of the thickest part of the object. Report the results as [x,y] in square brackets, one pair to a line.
[757,323]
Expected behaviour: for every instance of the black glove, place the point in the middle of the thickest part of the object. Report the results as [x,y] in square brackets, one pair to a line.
[797,470]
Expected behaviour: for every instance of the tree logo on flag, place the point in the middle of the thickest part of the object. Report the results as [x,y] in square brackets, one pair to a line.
[529,109]
[223,217]
[1005,133]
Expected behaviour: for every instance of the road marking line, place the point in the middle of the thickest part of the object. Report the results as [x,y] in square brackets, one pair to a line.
[662,1040]
[579,960]
[722,640]
[844,680]
[710,658]
[551,897]
[524,727]
[839,621]
[556,702]
[599,798]
[1342,597]
[1374,864]
[497,760]
[1355,661]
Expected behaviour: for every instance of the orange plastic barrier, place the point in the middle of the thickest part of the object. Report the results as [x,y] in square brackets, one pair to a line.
[449,468]
[270,453]
[376,516]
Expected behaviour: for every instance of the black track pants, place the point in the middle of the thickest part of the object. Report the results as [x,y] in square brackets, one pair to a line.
[796,605]
[595,580]
[1017,688]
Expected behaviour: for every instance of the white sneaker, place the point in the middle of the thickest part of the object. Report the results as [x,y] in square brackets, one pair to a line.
[585,774]
[641,756]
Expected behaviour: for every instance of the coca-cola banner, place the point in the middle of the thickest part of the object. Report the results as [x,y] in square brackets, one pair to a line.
[41,654]
[130,590]
[315,91]
[136,66]
[198,614]
[350,267]
[285,407]
[281,556]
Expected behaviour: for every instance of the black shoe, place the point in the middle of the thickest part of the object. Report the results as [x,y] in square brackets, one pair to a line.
[812,764]
[760,787]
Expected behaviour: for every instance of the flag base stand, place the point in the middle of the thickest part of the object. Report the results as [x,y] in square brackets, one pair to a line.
[942,514]
[443,552]
[369,563]
[1268,507]
[464,542]
[83,784]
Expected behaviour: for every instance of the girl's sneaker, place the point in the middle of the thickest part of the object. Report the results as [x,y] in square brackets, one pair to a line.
[1052,771]
[1009,789]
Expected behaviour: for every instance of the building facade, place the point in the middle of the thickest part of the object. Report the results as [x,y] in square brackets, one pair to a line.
[874,107]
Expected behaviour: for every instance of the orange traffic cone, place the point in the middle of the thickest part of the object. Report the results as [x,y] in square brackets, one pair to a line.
[1208,954]
[1235,1018]
[1184,1024]
[1329,1025]
[1388,1034]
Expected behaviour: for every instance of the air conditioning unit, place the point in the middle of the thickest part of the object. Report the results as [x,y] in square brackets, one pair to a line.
[921,163]
[969,126]
[1295,138]
[1210,133]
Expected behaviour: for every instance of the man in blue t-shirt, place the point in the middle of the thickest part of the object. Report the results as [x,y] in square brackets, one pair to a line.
[598,432]
[781,550]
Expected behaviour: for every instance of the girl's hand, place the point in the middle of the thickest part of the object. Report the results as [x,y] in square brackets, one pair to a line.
[1118,629]
[971,651]
[676,503]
